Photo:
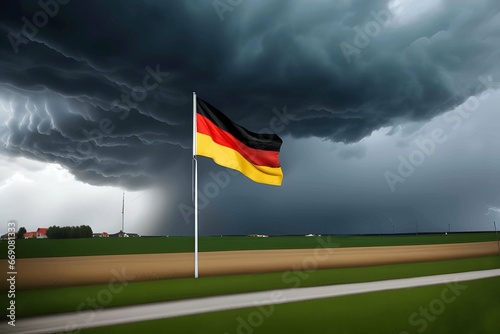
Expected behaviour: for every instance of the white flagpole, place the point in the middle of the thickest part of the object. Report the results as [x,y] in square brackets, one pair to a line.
[195,190]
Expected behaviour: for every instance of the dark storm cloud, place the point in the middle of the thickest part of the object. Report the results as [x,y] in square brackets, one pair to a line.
[350,152]
[104,88]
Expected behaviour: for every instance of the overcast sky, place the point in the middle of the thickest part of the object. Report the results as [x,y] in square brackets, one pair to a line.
[388,111]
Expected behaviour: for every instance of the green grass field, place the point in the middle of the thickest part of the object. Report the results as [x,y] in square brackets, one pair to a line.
[70,299]
[286,318]
[108,246]
[472,308]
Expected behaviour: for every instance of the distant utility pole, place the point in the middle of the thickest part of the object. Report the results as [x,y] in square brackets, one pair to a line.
[496,232]
[123,212]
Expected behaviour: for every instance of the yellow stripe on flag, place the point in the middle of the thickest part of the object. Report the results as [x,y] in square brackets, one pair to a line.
[227,157]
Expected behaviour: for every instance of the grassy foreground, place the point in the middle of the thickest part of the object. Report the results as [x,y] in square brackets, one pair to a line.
[33,248]
[472,307]
[71,299]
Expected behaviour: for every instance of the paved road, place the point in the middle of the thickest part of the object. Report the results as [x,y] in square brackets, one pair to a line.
[87,319]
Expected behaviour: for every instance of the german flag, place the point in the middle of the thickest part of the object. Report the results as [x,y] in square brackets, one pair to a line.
[232,146]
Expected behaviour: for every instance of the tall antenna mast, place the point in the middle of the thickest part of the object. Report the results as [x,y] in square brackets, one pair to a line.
[123,212]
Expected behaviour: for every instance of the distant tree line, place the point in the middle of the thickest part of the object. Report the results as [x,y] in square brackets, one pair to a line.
[69,232]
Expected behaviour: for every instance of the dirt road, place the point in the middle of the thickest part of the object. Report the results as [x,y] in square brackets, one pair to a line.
[82,270]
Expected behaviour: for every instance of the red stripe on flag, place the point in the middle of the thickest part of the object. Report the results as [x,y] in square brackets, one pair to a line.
[224,138]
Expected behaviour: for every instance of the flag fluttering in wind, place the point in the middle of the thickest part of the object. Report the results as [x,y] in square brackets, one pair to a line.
[215,136]
[230,145]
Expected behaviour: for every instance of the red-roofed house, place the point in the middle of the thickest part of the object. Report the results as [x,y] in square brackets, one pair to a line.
[30,235]
[41,233]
